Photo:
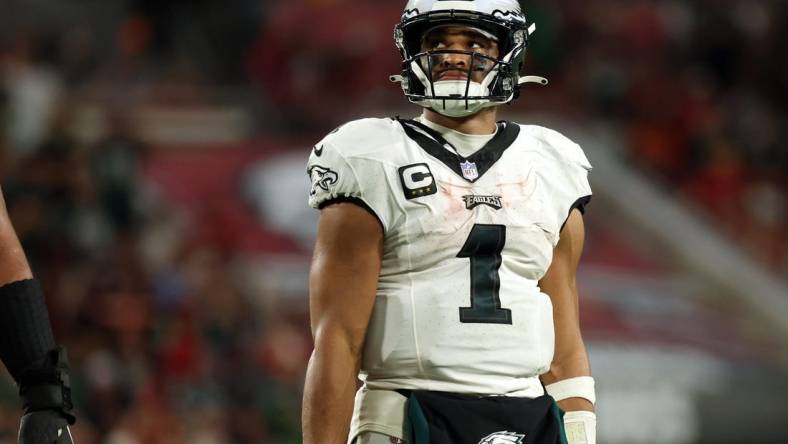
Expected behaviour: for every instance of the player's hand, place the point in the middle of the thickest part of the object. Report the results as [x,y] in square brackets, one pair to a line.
[44,427]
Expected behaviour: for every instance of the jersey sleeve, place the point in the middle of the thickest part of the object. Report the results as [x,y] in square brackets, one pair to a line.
[577,168]
[339,173]
[567,171]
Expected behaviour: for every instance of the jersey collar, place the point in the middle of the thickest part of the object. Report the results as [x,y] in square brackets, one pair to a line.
[435,145]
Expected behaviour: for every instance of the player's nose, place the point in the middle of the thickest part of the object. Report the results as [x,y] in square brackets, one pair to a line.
[454,60]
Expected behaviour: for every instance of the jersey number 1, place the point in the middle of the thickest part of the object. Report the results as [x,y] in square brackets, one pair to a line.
[483,247]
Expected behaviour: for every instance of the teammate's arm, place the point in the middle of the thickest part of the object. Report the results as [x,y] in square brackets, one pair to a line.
[570,359]
[13,264]
[342,285]
[28,348]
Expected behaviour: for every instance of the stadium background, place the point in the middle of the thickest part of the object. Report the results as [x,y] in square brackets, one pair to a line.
[152,157]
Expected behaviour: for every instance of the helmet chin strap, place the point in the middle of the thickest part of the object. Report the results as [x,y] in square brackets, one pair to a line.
[532,79]
[461,106]
[396,78]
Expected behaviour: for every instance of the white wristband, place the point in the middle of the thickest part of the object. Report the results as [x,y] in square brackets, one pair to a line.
[579,387]
[580,427]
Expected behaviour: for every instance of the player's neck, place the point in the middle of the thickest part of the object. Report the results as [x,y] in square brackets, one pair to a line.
[482,122]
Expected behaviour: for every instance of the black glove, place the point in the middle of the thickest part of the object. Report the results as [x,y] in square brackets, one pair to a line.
[44,427]
[46,397]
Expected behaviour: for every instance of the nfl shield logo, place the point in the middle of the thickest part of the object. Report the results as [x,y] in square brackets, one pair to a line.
[469,170]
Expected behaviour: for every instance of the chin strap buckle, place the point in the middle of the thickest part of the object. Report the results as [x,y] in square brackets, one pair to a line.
[533,79]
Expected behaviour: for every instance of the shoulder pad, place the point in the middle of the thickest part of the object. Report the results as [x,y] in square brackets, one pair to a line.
[360,137]
[559,145]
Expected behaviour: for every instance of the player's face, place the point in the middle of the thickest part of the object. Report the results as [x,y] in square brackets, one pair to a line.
[453,49]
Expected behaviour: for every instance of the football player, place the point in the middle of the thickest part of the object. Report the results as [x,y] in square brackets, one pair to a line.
[444,269]
[28,349]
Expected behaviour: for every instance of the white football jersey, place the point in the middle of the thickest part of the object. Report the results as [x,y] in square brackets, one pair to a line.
[458,306]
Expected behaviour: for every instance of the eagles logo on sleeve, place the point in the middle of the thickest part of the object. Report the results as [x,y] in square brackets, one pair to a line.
[322,178]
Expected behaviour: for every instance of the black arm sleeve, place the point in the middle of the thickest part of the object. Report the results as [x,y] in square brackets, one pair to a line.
[25,331]
[28,350]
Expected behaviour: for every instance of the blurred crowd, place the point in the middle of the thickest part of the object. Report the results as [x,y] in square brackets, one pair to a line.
[698,91]
[172,339]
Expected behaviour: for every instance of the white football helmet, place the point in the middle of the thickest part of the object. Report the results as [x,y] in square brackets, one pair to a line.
[500,20]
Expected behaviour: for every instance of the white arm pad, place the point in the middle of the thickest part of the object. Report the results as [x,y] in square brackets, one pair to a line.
[579,387]
[580,427]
